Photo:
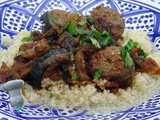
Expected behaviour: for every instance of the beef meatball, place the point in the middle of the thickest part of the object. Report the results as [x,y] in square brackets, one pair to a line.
[105,18]
[113,68]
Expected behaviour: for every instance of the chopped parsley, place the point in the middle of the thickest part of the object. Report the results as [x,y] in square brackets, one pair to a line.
[20,53]
[53,19]
[84,41]
[105,38]
[28,39]
[73,30]
[66,24]
[94,36]
[128,60]
[98,74]
[89,21]
[95,43]
[74,76]
[81,31]
[96,33]
[84,21]
[141,53]
[126,50]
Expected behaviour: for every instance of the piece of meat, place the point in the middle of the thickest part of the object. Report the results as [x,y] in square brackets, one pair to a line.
[56,75]
[148,65]
[113,68]
[54,19]
[87,49]
[60,16]
[37,50]
[67,41]
[42,64]
[110,85]
[106,18]
[20,71]
[81,67]
[54,61]
[37,35]
[3,65]
[26,46]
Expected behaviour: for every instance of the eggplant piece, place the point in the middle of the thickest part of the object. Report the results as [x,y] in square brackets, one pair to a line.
[45,20]
[67,41]
[54,20]
[37,70]
[47,29]
[53,62]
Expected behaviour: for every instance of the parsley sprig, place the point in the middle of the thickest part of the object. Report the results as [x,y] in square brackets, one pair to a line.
[51,17]
[126,50]
[87,21]
[73,30]
[28,39]
[98,74]
[75,76]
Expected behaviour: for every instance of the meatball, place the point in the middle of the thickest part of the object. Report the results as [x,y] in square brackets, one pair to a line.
[112,65]
[60,16]
[108,19]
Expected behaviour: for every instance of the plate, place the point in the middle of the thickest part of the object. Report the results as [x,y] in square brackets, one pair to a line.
[17,15]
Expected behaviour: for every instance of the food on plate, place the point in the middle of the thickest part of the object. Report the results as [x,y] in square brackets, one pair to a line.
[88,61]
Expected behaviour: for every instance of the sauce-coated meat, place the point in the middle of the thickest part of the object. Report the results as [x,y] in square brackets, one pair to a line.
[108,19]
[112,64]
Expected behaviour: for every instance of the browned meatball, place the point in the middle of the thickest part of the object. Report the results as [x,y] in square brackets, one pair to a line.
[112,64]
[108,19]
[60,16]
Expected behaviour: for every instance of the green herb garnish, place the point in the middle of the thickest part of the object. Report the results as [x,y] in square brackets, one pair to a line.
[94,36]
[98,74]
[86,21]
[66,24]
[125,52]
[142,54]
[73,30]
[53,19]
[89,21]
[96,33]
[26,39]
[81,31]
[128,60]
[95,43]
[84,41]
[105,38]
[20,53]
[74,76]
